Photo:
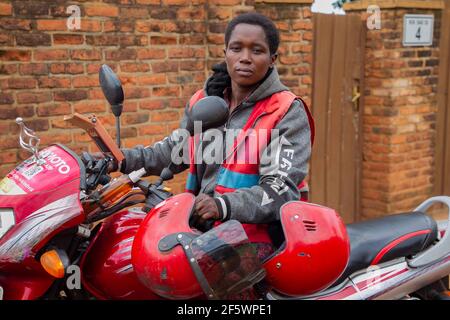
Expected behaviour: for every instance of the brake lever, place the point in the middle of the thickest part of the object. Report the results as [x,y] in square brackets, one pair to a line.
[155,194]
[98,173]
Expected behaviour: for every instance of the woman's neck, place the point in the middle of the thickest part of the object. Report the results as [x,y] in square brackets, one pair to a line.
[238,94]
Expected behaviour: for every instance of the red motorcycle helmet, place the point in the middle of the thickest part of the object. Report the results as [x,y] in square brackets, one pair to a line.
[176,261]
[315,252]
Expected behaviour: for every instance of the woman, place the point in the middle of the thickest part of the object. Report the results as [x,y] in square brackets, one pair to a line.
[249,83]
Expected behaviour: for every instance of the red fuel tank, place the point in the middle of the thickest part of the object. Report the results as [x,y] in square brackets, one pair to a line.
[106,268]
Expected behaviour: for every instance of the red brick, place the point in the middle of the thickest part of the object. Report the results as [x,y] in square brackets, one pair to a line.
[220,13]
[6,39]
[124,133]
[165,91]
[68,39]
[86,54]
[33,39]
[71,68]
[16,24]
[55,109]
[89,25]
[134,67]
[8,68]
[291,37]
[171,66]
[21,83]
[33,97]
[302,25]
[130,106]
[51,25]
[103,40]
[89,107]
[186,53]
[109,26]
[85,81]
[95,94]
[153,79]
[148,26]
[70,95]
[81,137]
[121,54]
[48,55]
[148,54]
[191,13]
[6,98]
[290,60]
[38,124]
[128,41]
[225,2]
[102,10]
[133,13]
[135,118]
[15,55]
[301,48]
[5,9]
[59,137]
[136,92]
[152,104]
[181,79]
[59,123]
[54,82]
[8,157]
[33,69]
[192,65]
[152,129]
[148,1]
[216,52]
[175,2]
[216,39]
[160,40]
[164,116]
[301,70]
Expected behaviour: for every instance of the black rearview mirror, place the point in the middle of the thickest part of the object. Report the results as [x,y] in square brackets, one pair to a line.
[212,111]
[112,89]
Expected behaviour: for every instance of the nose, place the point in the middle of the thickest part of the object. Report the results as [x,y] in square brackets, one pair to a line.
[245,56]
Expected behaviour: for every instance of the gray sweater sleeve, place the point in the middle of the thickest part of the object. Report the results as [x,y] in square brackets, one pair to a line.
[158,156]
[283,166]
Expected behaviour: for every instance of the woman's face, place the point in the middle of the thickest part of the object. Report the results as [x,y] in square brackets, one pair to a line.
[247,55]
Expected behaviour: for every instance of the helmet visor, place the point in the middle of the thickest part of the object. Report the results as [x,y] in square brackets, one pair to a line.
[226,263]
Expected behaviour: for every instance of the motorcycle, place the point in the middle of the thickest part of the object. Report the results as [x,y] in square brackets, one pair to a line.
[67,231]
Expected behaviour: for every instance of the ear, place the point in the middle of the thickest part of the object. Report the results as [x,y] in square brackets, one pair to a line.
[273,59]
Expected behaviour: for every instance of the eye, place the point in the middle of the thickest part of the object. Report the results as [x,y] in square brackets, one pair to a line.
[258,50]
[235,48]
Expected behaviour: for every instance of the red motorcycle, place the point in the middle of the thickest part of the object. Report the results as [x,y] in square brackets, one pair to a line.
[68,231]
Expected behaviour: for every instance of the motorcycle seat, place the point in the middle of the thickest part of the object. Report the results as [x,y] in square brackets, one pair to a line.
[394,236]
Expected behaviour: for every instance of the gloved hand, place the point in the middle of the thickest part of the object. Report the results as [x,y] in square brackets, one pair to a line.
[92,161]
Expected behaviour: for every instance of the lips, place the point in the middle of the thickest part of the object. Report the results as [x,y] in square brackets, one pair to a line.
[244,72]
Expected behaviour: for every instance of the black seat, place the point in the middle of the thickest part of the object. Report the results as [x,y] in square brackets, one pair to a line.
[379,240]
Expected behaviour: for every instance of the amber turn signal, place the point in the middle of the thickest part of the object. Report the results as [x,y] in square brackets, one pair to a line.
[53,262]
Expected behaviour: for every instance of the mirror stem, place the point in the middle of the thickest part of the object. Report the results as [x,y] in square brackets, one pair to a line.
[118,131]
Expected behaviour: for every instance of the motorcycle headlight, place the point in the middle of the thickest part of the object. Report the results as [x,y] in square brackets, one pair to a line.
[7,220]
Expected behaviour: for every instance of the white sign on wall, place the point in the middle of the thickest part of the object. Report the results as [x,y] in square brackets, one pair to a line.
[418,29]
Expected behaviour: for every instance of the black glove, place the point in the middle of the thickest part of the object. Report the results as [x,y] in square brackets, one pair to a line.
[219,80]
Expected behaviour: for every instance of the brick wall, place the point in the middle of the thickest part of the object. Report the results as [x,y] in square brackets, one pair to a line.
[161,51]
[399,117]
